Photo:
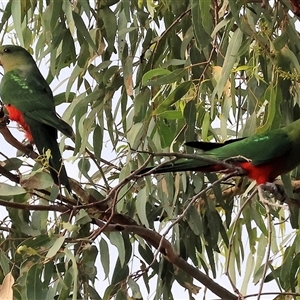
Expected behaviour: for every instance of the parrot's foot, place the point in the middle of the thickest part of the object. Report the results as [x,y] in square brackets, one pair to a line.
[28,146]
[269,190]
[277,191]
[4,120]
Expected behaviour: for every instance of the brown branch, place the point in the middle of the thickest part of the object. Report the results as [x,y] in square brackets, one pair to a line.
[15,143]
[155,239]
[24,206]
[274,293]
[12,177]
[165,247]
[21,147]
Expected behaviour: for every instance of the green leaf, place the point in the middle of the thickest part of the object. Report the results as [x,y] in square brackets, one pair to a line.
[176,95]
[248,272]
[80,26]
[274,97]
[166,79]
[202,37]
[110,26]
[121,295]
[229,61]
[67,8]
[61,98]
[261,248]
[55,247]
[84,166]
[194,220]
[70,226]
[135,134]
[128,74]
[8,190]
[82,217]
[35,288]
[206,16]
[67,285]
[120,273]
[117,240]
[154,73]
[211,259]
[4,262]
[73,270]
[40,218]
[141,105]
[104,256]
[166,134]
[16,12]
[205,126]
[89,256]
[37,180]
[171,114]
[97,140]
[12,164]
[189,113]
[135,289]
[6,14]
[140,204]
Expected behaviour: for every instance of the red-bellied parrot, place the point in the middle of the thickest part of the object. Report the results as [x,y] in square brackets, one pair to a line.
[29,101]
[262,156]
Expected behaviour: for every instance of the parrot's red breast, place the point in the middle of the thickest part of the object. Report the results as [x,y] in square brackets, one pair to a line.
[261,173]
[17,116]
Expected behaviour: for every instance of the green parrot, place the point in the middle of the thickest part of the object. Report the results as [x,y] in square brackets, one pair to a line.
[262,156]
[29,101]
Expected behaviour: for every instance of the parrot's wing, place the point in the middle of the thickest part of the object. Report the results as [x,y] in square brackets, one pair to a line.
[51,119]
[259,148]
[26,93]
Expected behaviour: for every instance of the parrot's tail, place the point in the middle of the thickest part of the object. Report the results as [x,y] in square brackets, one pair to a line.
[185,165]
[44,137]
[57,169]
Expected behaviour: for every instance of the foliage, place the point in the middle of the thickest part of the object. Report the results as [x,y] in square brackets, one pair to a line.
[142,77]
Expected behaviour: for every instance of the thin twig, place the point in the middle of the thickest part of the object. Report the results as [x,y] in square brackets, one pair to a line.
[24,206]
[112,197]
[273,293]
[92,156]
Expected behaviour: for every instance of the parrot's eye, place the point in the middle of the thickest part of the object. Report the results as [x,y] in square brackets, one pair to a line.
[6,50]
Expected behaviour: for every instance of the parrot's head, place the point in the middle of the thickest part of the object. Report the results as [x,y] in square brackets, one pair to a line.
[15,57]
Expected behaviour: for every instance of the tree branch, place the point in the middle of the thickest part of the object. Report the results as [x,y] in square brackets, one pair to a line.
[166,248]
[13,141]
[24,206]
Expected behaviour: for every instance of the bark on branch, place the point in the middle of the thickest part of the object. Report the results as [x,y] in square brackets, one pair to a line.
[157,240]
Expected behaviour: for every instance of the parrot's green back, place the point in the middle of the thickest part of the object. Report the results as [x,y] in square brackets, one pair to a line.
[24,90]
